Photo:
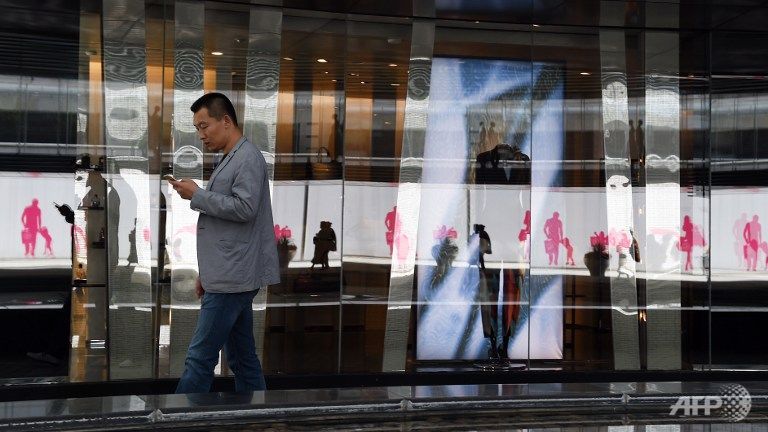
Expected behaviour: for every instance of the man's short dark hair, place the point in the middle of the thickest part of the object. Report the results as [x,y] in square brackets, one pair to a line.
[217,104]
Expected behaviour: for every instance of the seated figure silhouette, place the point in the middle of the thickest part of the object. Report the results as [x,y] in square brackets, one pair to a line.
[325,242]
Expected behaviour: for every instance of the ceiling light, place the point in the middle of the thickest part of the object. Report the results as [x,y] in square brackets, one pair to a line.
[217,53]
[584,73]
[362,82]
[287,58]
[477,22]
[392,65]
[535,25]
[394,84]
[333,80]
[352,74]
[322,60]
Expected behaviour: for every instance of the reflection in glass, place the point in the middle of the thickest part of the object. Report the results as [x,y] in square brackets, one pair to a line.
[663,202]
[260,118]
[181,237]
[126,118]
[551,222]
[409,196]
[618,135]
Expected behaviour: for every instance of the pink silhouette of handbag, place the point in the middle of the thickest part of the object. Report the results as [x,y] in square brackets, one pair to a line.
[550,246]
[27,235]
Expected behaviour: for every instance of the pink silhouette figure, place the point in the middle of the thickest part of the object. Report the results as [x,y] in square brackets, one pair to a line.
[753,237]
[569,249]
[392,222]
[48,241]
[764,247]
[692,237]
[31,219]
[394,235]
[553,229]
[738,241]
[525,233]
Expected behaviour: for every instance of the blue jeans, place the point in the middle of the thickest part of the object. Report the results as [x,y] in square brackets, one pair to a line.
[226,320]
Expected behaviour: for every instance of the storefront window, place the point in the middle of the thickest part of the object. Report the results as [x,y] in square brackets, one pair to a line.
[446,191]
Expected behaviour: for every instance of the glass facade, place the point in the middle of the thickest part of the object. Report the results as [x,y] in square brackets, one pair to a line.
[574,188]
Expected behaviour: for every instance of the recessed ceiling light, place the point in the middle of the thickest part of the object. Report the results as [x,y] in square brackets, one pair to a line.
[392,65]
[333,80]
[394,84]
[477,22]
[322,60]
[535,25]
[287,58]
[362,82]
[325,72]
[352,74]
[217,53]
[584,73]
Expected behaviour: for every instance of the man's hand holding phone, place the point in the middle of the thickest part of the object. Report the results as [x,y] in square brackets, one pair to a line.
[185,187]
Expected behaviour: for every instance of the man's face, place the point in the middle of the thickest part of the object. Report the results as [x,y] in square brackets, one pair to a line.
[213,133]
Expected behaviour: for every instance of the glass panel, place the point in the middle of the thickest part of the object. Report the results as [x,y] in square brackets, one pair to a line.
[619,135]
[130,338]
[260,119]
[403,264]
[302,322]
[695,198]
[663,203]
[187,162]
[586,158]
[377,55]
[89,299]
[739,123]
[550,223]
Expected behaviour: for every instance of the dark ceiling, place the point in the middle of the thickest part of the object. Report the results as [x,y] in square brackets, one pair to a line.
[749,15]
[42,38]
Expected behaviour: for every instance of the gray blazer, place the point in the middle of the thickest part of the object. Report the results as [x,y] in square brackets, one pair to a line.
[236,249]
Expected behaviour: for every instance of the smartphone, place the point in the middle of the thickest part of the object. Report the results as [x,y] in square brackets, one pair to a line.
[169,177]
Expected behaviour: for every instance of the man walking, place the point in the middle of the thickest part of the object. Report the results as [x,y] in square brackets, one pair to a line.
[236,249]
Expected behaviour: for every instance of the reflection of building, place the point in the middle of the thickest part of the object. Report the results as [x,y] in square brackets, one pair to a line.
[452,125]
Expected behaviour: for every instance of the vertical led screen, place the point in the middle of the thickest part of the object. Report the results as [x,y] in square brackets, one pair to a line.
[476,197]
